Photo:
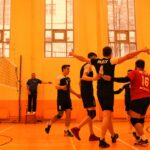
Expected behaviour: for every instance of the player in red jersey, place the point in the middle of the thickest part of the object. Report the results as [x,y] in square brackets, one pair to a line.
[140,99]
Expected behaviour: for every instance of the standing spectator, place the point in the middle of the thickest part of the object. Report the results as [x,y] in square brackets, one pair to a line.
[32,85]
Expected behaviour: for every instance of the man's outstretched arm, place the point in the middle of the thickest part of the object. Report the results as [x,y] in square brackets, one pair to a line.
[81,58]
[133,54]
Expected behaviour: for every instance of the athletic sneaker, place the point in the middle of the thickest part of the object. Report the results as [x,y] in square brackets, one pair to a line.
[114,138]
[135,136]
[47,129]
[141,142]
[93,137]
[103,144]
[75,131]
[68,133]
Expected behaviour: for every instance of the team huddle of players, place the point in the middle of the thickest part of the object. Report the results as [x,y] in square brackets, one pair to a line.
[137,95]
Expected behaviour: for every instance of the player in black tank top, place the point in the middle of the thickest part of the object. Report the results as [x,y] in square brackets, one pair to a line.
[86,89]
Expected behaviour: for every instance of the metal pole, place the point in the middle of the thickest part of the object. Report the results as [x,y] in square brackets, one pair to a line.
[19,97]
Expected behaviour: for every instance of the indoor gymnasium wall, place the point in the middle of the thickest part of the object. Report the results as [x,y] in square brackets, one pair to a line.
[85,37]
[20,44]
[90,34]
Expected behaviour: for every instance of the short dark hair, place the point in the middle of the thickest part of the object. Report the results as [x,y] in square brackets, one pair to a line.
[130,70]
[91,54]
[107,51]
[65,66]
[140,63]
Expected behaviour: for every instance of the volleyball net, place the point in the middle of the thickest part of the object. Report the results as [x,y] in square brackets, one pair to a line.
[8,73]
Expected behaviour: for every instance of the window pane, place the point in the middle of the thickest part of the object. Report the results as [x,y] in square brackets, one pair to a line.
[1,13]
[111,36]
[123,15]
[6,52]
[132,36]
[59,36]
[111,45]
[59,22]
[48,47]
[121,36]
[6,36]
[131,15]
[110,17]
[118,50]
[48,54]
[70,36]
[48,36]
[69,47]
[121,26]
[48,14]
[69,14]
[48,50]
[59,49]
[59,16]
[59,54]
[4,27]
[7,14]
[124,48]
[132,47]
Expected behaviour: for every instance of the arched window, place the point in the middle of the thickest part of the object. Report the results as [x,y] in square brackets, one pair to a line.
[4,28]
[121,26]
[58,28]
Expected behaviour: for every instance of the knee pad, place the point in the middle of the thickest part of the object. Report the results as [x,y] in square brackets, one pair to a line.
[134,121]
[91,113]
[59,115]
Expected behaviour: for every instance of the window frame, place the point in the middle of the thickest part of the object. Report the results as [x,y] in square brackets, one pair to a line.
[114,28]
[2,38]
[54,31]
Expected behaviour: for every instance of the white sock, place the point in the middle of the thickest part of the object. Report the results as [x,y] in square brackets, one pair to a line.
[143,137]
[66,128]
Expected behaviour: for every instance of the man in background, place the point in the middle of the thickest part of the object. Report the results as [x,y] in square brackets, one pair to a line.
[32,85]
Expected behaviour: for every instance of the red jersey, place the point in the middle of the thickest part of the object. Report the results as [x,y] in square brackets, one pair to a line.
[140,84]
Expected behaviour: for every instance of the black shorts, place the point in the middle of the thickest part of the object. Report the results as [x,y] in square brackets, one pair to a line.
[88,102]
[87,97]
[140,106]
[127,105]
[63,105]
[106,100]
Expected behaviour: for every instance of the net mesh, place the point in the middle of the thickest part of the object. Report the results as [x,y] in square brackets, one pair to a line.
[8,73]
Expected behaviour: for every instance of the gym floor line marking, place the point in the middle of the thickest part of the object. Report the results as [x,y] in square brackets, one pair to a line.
[6,129]
[120,140]
[73,145]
